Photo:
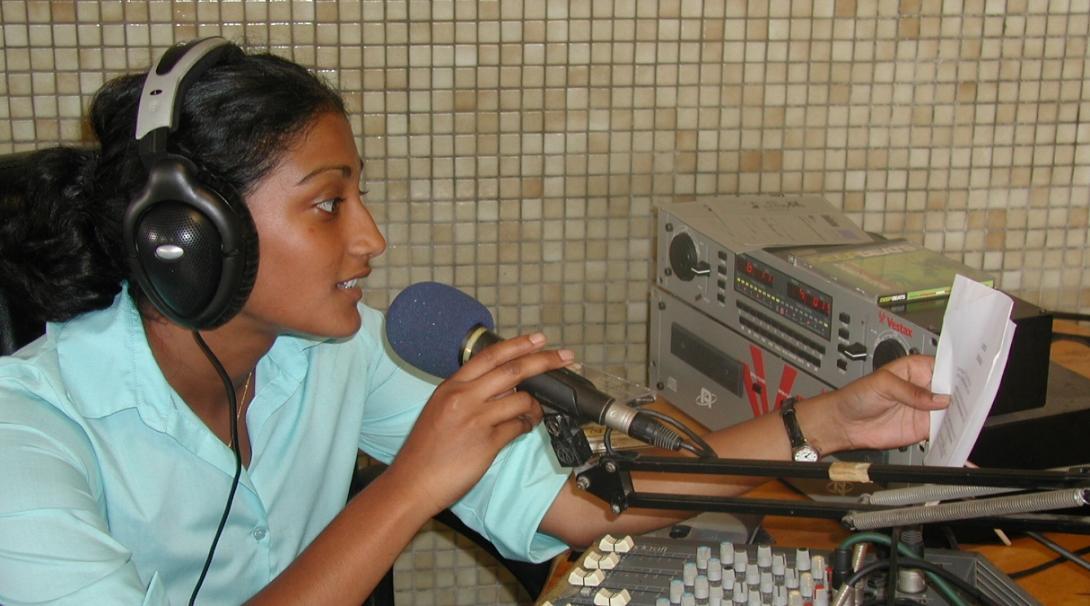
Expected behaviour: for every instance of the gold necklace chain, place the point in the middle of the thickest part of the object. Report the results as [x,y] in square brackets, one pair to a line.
[240,405]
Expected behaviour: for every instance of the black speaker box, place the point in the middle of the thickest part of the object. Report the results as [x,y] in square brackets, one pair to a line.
[1053,435]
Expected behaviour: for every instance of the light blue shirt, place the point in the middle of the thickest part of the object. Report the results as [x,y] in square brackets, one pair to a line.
[111,488]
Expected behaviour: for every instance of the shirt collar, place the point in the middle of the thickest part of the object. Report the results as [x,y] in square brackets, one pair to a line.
[108,366]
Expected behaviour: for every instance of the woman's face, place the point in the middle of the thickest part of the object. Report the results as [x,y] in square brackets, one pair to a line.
[316,237]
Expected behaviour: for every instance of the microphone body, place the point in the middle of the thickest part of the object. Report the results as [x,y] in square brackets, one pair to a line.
[437,328]
[572,394]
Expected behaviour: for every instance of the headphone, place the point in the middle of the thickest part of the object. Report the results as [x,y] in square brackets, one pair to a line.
[191,248]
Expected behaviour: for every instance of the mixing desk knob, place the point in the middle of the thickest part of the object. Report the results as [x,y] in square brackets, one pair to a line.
[701,589]
[590,561]
[764,556]
[767,583]
[715,570]
[753,575]
[677,589]
[703,554]
[741,560]
[806,585]
[605,597]
[779,564]
[817,568]
[688,573]
[802,559]
[609,562]
[610,543]
[586,578]
[726,554]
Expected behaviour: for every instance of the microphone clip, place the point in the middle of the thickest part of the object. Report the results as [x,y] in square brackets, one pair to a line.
[568,440]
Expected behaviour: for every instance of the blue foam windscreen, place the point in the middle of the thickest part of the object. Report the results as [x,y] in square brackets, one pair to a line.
[428,322]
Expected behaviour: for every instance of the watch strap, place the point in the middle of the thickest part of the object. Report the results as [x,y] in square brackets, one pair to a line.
[794,432]
[791,422]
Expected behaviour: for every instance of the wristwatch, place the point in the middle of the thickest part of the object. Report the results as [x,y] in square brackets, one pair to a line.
[801,450]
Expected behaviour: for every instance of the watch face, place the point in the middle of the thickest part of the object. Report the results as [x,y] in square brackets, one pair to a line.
[805,454]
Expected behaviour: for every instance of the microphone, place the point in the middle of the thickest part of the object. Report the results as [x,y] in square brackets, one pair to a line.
[437,328]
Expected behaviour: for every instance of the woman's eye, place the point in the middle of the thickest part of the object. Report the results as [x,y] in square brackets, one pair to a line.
[329,206]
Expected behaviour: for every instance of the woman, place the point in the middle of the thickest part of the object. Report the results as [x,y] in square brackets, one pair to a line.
[115,430]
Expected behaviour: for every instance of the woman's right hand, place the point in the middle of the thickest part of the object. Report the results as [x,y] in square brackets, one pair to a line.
[470,417]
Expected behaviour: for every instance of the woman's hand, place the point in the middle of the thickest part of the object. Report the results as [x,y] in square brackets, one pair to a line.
[888,408]
[470,417]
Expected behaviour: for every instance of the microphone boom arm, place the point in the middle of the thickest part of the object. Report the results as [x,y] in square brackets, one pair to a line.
[609,478]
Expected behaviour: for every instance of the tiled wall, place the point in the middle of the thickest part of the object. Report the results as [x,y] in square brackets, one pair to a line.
[517,148]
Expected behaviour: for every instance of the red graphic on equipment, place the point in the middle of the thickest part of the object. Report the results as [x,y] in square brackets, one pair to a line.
[888,320]
[755,382]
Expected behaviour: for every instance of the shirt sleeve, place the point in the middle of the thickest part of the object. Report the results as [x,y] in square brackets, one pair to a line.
[508,503]
[55,545]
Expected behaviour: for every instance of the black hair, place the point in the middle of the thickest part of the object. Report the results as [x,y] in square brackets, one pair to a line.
[61,249]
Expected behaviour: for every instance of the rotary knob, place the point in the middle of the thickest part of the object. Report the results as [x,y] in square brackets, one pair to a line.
[684,259]
[887,351]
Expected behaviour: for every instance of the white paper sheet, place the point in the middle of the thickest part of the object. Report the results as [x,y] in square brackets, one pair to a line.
[972,353]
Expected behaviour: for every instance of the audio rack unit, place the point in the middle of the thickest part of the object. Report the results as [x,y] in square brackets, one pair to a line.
[735,332]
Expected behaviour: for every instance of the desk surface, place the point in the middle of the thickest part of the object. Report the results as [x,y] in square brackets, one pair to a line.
[1061,584]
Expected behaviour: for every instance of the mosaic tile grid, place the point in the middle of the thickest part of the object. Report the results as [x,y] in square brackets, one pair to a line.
[517,149]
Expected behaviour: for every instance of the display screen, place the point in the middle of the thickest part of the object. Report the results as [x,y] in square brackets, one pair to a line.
[810,298]
[747,267]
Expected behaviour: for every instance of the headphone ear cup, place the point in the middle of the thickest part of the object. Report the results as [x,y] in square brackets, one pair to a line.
[193,251]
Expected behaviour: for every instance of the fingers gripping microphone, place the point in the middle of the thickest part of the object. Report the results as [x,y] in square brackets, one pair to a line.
[437,328]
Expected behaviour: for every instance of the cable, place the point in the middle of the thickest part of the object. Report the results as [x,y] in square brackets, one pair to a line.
[701,449]
[1025,572]
[707,452]
[607,442]
[931,569]
[876,537]
[233,408]
[1060,549]
[891,576]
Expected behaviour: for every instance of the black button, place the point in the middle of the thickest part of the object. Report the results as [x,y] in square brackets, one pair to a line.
[855,351]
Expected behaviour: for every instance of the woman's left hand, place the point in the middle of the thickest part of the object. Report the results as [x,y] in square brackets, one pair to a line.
[888,408]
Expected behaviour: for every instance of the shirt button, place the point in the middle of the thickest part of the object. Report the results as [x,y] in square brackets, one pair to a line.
[260,533]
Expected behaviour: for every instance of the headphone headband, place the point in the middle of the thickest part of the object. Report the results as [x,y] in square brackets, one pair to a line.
[164,87]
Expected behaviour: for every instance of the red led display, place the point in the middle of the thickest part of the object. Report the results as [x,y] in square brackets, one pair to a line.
[747,267]
[811,299]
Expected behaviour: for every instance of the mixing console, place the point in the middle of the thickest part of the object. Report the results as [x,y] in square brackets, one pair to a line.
[661,571]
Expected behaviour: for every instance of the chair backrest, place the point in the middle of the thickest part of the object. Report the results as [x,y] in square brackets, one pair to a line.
[17,327]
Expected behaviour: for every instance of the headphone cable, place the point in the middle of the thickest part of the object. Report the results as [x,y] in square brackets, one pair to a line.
[233,407]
